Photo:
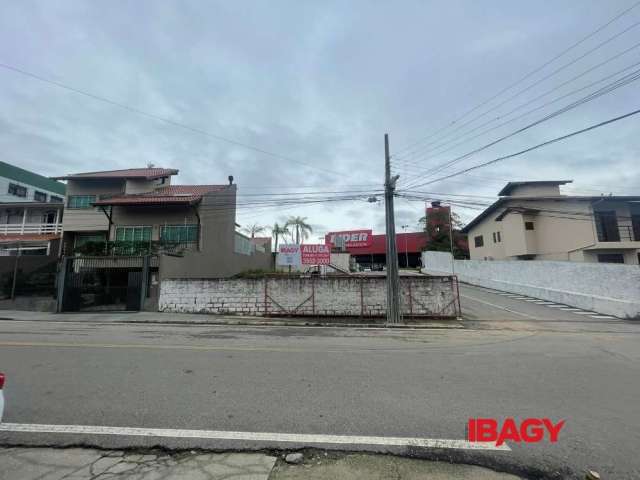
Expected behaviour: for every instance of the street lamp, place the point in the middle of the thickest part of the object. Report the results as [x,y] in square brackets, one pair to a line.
[406,252]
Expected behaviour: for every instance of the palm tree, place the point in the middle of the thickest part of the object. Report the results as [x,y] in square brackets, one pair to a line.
[252,230]
[301,228]
[278,231]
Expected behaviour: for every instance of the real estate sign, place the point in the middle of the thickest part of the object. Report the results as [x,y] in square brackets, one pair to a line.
[352,238]
[315,254]
[305,254]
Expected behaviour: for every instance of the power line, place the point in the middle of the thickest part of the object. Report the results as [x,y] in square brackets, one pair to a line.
[143,113]
[607,77]
[592,96]
[528,75]
[535,147]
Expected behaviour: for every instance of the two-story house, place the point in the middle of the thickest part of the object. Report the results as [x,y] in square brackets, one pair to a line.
[31,208]
[115,218]
[534,221]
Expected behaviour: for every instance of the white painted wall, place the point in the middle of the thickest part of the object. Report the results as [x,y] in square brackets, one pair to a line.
[330,296]
[6,197]
[605,288]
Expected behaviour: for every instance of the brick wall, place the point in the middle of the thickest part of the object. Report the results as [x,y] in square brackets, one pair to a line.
[326,296]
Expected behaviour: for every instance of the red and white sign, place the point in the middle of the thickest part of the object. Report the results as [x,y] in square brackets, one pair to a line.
[315,254]
[352,238]
[305,254]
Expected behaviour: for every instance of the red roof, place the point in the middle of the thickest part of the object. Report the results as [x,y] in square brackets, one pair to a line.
[28,237]
[410,242]
[145,173]
[174,194]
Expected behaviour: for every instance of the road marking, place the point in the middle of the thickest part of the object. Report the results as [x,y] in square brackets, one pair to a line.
[499,307]
[253,436]
[585,313]
[535,300]
[571,309]
[603,316]
[556,305]
[544,302]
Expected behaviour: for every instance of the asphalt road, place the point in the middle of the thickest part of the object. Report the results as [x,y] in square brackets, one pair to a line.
[513,359]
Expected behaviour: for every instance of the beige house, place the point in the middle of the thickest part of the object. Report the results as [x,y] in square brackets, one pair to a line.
[534,221]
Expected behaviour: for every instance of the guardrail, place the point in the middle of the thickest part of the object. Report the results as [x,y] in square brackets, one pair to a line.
[38,228]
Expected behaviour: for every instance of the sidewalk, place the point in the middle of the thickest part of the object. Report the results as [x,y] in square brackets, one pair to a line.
[85,464]
[204,319]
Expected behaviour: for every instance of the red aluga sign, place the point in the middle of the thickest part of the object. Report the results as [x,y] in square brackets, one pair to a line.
[315,254]
[352,238]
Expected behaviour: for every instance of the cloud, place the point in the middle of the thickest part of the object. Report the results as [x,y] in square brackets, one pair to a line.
[317,83]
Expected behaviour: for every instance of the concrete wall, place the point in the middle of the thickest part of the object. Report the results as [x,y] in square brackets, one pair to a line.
[216,257]
[606,288]
[331,296]
[6,197]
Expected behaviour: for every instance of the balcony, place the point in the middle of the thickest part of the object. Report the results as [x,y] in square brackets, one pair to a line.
[30,228]
[619,233]
[133,248]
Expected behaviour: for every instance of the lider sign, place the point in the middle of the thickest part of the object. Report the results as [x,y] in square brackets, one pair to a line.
[352,238]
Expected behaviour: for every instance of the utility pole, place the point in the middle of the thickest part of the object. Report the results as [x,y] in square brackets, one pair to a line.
[406,249]
[451,243]
[394,315]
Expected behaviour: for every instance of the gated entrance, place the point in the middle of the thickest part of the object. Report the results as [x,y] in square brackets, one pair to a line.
[103,283]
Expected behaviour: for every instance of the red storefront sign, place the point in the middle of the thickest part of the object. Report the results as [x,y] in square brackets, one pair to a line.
[315,254]
[352,238]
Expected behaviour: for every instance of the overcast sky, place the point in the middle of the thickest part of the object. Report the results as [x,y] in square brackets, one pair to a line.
[318,83]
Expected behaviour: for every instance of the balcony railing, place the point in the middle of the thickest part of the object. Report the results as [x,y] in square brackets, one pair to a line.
[624,233]
[32,228]
[124,248]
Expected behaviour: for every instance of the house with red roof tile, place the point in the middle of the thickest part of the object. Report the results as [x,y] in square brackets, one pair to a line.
[186,229]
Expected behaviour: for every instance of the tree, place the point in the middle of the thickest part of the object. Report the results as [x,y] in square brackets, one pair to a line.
[300,227]
[254,229]
[277,231]
[438,230]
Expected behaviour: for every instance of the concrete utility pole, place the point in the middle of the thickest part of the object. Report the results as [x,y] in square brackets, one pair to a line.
[394,315]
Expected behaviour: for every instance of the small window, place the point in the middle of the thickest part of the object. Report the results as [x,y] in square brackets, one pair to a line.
[17,190]
[494,238]
[611,258]
[528,226]
[39,196]
[81,201]
[179,233]
[478,241]
[499,238]
[54,199]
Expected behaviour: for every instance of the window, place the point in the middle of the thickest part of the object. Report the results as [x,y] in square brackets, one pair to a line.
[496,237]
[81,201]
[17,190]
[133,234]
[54,199]
[607,226]
[529,226]
[179,233]
[611,258]
[499,238]
[478,241]
[39,196]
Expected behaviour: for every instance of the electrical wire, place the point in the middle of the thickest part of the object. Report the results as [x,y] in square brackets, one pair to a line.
[526,76]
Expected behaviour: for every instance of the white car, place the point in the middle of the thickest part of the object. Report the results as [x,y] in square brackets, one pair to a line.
[1,395]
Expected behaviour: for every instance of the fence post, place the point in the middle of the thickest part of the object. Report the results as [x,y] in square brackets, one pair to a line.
[455,279]
[313,296]
[410,299]
[15,272]
[266,303]
[361,299]
[62,279]
[146,263]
